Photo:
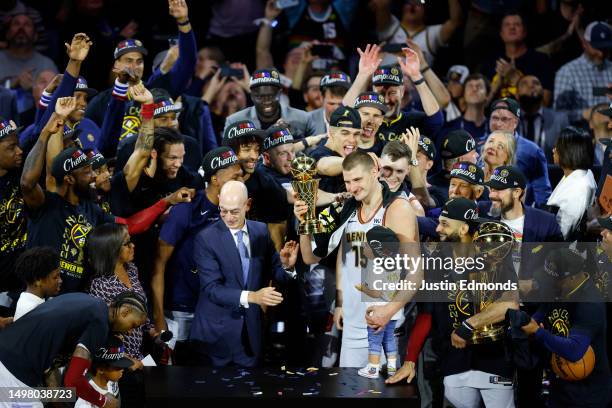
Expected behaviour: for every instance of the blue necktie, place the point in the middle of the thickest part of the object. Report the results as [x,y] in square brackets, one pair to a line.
[244,256]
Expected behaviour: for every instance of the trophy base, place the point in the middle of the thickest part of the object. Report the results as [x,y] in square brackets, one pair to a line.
[310,227]
[488,334]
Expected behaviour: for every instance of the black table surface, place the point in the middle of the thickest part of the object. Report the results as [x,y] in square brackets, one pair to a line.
[188,386]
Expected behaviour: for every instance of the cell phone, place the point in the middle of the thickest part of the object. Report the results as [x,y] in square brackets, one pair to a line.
[227,71]
[283,4]
[172,41]
[601,90]
[393,48]
[322,50]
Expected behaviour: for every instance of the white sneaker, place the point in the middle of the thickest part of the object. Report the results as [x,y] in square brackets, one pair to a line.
[368,371]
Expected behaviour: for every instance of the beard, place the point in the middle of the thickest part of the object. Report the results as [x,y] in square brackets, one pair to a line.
[85,192]
[453,237]
[530,102]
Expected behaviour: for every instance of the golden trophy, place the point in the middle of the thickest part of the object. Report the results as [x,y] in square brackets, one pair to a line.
[494,241]
[303,170]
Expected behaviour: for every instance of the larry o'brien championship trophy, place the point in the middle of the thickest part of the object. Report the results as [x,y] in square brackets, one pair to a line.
[494,240]
[303,170]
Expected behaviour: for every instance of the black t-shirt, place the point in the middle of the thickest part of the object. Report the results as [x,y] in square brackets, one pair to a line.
[13,228]
[376,148]
[333,184]
[148,191]
[487,357]
[96,108]
[440,182]
[29,346]
[392,130]
[530,63]
[268,197]
[64,227]
[588,319]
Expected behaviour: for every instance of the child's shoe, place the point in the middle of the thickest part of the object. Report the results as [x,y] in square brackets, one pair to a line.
[368,371]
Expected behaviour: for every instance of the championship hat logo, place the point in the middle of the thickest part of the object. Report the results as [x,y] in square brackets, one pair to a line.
[504,173]
[7,127]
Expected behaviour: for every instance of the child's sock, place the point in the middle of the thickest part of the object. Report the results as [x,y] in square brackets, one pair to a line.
[392,362]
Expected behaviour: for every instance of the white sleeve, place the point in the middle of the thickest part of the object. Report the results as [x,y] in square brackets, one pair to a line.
[244,299]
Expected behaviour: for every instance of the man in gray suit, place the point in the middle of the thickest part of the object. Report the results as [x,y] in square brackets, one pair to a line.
[267,110]
[539,124]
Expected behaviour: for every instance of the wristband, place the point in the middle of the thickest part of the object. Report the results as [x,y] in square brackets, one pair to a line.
[120,89]
[465,331]
[147,110]
[424,70]
[265,21]
[305,143]
[184,23]
[45,98]
[419,81]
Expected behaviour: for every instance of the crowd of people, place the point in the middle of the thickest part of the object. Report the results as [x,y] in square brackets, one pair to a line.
[159,213]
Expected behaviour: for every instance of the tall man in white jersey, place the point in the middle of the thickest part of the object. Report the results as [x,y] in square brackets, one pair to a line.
[372,204]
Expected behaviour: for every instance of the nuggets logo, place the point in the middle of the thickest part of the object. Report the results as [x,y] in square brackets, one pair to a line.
[504,173]
[426,140]
[559,322]
[394,71]
[78,234]
[130,126]
[12,210]
[472,168]
[274,74]
[463,303]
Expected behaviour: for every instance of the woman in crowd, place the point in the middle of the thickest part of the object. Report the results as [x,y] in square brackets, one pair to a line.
[498,150]
[573,152]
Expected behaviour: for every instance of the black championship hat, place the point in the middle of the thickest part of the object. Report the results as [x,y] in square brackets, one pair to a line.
[269,76]
[383,241]
[96,159]
[217,159]
[461,209]
[504,177]
[468,171]
[81,86]
[456,144]
[67,161]
[508,104]
[129,45]
[113,354]
[427,146]
[388,75]
[335,78]
[240,129]
[277,136]
[8,127]
[563,262]
[345,116]
[373,100]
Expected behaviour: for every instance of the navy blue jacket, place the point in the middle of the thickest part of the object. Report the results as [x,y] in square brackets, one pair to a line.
[219,318]
[531,160]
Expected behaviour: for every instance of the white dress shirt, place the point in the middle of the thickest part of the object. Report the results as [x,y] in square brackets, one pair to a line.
[573,195]
[27,301]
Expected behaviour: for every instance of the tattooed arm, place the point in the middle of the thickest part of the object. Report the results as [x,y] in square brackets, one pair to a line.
[33,194]
[143,149]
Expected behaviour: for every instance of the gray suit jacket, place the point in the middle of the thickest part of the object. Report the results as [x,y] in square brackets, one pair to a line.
[317,118]
[299,121]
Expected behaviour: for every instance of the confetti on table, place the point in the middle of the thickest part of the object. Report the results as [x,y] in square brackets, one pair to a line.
[258,393]
[282,368]
[290,372]
[308,393]
[279,393]
[375,392]
[298,373]
[312,369]
[332,374]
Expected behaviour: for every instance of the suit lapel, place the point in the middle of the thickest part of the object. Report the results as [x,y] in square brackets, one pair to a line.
[253,246]
[233,258]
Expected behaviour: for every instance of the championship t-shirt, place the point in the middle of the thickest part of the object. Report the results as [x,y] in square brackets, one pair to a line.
[12,228]
[64,227]
[563,319]
[30,345]
[268,198]
[182,225]
[448,316]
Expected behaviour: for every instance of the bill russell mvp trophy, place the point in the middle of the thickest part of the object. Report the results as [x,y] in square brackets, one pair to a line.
[303,170]
[494,241]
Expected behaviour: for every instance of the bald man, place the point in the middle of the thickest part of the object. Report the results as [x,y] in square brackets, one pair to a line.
[236,262]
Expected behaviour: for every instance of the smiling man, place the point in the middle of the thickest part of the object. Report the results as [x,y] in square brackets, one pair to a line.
[344,133]
[372,108]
